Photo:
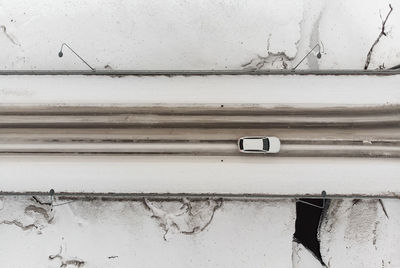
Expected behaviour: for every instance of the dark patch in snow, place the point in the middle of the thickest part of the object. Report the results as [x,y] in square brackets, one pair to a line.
[375,235]
[307,225]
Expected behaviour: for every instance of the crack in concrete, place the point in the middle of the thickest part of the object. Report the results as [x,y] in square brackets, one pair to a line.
[190,218]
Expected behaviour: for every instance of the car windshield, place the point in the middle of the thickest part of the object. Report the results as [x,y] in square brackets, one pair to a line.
[266,144]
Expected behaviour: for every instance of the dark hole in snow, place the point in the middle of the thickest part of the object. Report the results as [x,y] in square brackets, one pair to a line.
[307,225]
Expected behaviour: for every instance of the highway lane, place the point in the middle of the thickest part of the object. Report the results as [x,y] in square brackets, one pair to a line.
[152,135]
[307,148]
[200,130]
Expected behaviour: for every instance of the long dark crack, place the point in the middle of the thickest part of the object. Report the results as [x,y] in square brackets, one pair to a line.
[383,208]
[41,202]
[382,33]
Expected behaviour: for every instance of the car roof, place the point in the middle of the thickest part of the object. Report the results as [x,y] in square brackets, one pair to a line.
[253,144]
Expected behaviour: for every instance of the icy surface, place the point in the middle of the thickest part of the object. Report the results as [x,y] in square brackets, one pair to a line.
[179,34]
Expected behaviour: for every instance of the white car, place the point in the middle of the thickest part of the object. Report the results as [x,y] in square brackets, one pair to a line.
[264,145]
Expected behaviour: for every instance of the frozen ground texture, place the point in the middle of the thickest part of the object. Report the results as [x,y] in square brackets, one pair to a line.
[146,233]
[361,233]
[179,34]
[186,233]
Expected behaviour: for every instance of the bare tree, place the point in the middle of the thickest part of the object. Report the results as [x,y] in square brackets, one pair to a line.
[382,33]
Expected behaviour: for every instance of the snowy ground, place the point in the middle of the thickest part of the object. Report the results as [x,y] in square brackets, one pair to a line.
[146,233]
[361,233]
[189,35]
[179,34]
[184,233]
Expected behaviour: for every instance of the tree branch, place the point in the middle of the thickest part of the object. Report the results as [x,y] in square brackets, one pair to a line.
[382,33]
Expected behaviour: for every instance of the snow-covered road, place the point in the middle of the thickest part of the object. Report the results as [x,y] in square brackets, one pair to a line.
[188,174]
[261,90]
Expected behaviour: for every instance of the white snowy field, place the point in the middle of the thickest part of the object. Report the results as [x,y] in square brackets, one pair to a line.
[185,233]
[207,35]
